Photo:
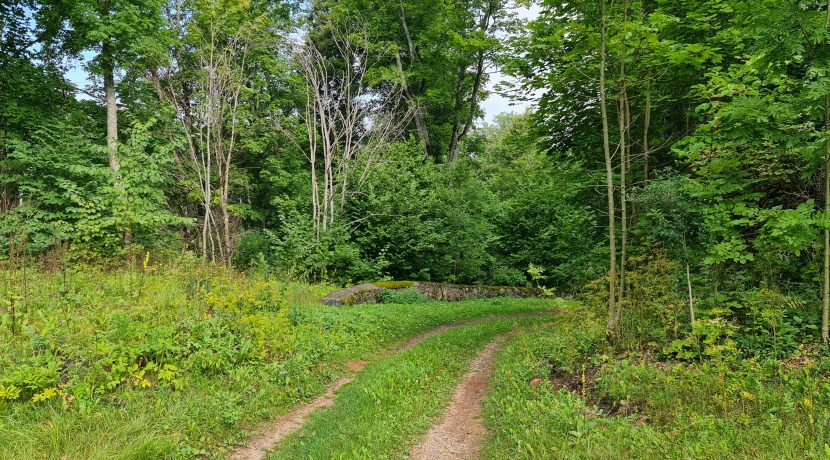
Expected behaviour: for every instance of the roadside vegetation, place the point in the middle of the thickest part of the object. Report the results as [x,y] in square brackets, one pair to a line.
[182,359]
[181,181]
[560,391]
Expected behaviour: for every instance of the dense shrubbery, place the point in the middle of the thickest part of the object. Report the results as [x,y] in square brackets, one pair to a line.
[481,219]
[148,338]
[404,296]
[68,195]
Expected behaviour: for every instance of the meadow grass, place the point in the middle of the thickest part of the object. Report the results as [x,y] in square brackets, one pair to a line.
[182,361]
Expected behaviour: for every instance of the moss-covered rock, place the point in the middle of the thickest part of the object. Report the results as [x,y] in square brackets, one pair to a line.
[394,284]
[368,292]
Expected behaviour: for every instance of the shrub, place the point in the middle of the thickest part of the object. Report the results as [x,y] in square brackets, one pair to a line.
[409,295]
[251,247]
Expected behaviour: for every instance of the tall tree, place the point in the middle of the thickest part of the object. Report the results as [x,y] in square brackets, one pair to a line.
[343,119]
[119,31]
[443,50]
[613,320]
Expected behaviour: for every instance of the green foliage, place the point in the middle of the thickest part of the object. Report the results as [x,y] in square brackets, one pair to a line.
[440,48]
[333,256]
[591,403]
[404,296]
[710,339]
[69,194]
[251,247]
[425,222]
[204,351]
[537,220]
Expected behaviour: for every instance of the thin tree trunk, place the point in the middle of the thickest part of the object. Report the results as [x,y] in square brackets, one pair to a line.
[484,26]
[646,127]
[418,115]
[623,198]
[825,310]
[108,65]
[459,96]
[311,127]
[112,108]
[689,284]
[609,176]
[624,166]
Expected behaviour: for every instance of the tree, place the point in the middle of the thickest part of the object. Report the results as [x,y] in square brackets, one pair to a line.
[613,316]
[346,118]
[210,77]
[443,49]
[120,31]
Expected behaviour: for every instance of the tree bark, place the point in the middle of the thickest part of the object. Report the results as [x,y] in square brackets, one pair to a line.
[484,26]
[112,109]
[623,194]
[646,127]
[418,115]
[459,96]
[825,310]
[689,284]
[612,326]
[625,152]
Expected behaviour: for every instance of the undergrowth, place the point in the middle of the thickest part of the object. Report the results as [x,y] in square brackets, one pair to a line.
[180,360]
[559,392]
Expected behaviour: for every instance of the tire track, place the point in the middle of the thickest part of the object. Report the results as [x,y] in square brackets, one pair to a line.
[275,431]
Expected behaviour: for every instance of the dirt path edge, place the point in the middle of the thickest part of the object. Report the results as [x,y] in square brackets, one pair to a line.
[460,432]
[273,432]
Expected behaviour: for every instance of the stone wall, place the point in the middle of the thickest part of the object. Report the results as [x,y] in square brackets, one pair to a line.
[435,291]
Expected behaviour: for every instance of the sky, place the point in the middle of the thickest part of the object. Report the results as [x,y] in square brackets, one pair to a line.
[496,103]
[493,105]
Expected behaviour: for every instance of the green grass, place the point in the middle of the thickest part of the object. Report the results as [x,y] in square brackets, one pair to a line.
[242,350]
[675,410]
[396,399]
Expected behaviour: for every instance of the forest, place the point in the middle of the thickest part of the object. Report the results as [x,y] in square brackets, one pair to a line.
[182,181]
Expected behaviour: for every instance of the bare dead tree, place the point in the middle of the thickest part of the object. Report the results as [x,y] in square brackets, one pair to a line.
[347,122]
[208,107]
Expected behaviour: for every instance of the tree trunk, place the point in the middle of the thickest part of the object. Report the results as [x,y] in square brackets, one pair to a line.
[689,284]
[609,177]
[624,122]
[623,196]
[691,296]
[646,127]
[825,310]
[108,65]
[484,26]
[112,109]
[459,103]
[420,122]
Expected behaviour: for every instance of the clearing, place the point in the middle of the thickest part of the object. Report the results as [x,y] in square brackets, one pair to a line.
[182,363]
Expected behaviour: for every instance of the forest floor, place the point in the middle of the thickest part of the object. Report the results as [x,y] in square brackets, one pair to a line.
[181,364]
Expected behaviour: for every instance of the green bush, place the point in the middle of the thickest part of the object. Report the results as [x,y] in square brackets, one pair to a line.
[405,296]
[251,248]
